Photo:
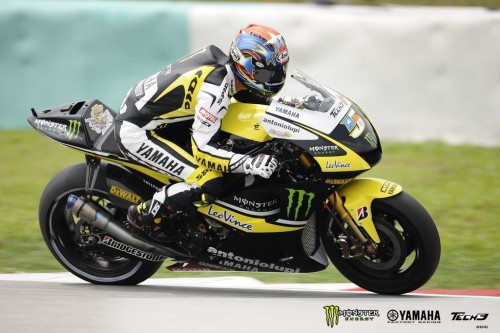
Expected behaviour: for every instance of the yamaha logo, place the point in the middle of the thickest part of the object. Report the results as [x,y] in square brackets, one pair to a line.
[413,317]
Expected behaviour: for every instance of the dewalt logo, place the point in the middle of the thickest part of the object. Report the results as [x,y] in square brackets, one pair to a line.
[73,129]
[296,200]
[332,315]
[125,195]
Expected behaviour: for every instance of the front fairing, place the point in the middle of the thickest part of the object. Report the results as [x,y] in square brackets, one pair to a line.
[340,137]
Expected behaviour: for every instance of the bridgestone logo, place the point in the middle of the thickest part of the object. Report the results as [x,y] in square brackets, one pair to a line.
[108,241]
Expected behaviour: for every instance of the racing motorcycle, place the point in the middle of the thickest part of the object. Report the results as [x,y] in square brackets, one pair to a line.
[314,209]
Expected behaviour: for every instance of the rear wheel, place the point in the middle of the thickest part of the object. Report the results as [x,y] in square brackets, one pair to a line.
[407,255]
[93,266]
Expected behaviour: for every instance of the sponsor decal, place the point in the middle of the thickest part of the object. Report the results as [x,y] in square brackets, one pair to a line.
[280,134]
[167,70]
[227,217]
[368,137]
[124,194]
[211,165]
[207,115]
[338,108]
[388,187]
[74,129]
[333,314]
[298,199]
[100,120]
[108,241]
[156,156]
[256,206]
[155,207]
[337,181]
[51,126]
[224,90]
[190,90]
[203,121]
[324,150]
[337,165]
[139,90]
[232,261]
[354,124]
[282,57]
[462,316]
[287,112]
[202,174]
[413,317]
[284,126]
[234,54]
[362,213]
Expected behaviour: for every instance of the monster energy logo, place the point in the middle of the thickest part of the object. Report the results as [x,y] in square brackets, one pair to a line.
[74,129]
[332,315]
[301,194]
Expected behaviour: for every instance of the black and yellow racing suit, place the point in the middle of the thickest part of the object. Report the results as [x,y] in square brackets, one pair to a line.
[194,91]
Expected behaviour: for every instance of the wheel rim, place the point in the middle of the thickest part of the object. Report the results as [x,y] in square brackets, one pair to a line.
[391,252]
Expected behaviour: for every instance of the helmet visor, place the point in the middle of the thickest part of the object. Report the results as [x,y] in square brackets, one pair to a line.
[270,76]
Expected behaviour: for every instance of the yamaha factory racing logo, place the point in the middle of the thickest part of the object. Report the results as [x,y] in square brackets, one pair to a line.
[413,317]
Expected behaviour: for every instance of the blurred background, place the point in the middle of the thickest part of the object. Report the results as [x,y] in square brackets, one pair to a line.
[426,72]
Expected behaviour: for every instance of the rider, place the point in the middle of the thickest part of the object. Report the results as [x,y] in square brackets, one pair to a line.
[196,90]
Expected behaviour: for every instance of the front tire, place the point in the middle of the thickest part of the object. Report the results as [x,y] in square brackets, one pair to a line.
[57,233]
[408,253]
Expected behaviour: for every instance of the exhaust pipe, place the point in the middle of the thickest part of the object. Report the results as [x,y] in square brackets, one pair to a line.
[98,217]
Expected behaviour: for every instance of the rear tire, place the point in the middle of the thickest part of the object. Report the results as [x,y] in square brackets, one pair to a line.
[98,269]
[408,254]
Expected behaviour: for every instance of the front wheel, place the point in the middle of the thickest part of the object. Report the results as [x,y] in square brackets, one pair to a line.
[92,266]
[407,255]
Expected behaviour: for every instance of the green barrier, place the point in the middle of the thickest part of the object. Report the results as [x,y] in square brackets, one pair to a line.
[58,52]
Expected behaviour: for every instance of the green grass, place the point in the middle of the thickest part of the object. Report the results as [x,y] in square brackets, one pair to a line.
[458,185]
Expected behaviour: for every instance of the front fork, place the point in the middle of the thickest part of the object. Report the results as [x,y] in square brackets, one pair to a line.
[352,241]
[354,200]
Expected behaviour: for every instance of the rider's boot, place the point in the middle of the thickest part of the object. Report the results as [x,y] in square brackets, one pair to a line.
[181,196]
[145,213]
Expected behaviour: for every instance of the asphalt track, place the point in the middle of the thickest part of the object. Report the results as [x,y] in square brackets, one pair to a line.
[62,303]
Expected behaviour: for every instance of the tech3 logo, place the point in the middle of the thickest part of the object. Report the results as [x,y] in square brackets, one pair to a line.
[298,203]
[73,130]
[332,315]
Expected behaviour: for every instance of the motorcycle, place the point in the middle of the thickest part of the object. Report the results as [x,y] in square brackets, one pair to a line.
[314,209]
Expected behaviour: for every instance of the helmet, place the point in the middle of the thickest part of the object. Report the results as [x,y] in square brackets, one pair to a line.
[259,59]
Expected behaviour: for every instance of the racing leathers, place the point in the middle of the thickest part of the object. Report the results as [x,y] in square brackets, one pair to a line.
[194,91]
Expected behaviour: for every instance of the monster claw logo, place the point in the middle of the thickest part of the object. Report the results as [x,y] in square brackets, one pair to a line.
[332,315]
[73,130]
[300,200]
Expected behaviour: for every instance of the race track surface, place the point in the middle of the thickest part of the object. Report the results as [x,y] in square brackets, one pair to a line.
[63,303]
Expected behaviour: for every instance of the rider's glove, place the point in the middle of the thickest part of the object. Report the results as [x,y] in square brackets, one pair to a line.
[260,165]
